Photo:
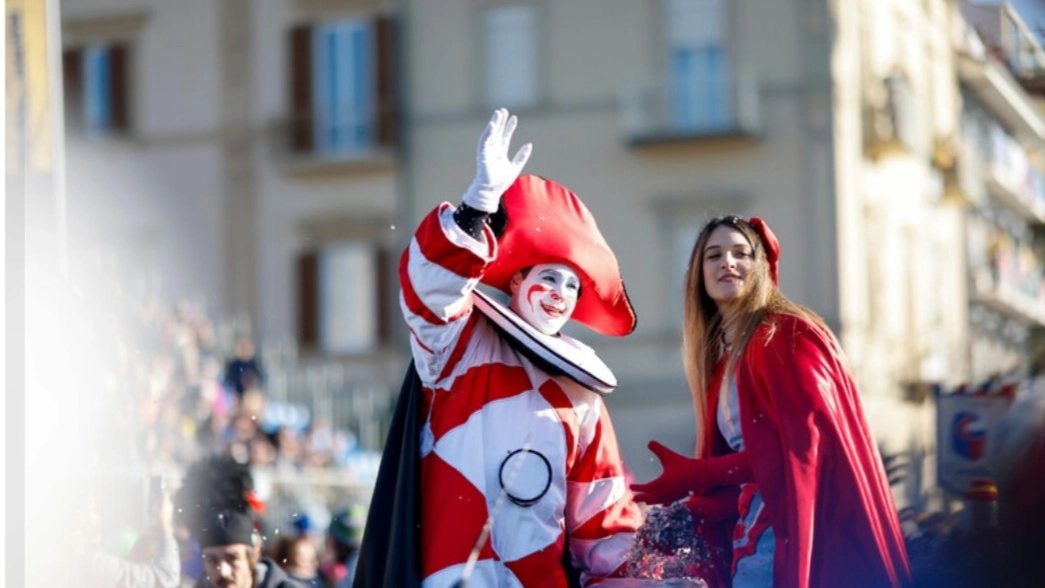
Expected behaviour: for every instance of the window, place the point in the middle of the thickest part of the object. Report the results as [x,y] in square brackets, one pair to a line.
[699,75]
[511,55]
[342,87]
[97,92]
[343,293]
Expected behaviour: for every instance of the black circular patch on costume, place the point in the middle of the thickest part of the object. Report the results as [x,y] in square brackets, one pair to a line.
[531,476]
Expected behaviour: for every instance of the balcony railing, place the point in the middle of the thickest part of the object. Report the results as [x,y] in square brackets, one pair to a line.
[1012,179]
[982,69]
[1010,38]
[1027,59]
[1005,274]
[692,109]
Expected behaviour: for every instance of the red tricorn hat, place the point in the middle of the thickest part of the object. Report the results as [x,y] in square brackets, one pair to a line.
[547,223]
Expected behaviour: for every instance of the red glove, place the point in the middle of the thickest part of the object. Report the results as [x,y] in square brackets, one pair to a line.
[683,475]
[715,507]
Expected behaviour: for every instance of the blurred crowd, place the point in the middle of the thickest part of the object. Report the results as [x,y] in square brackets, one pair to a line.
[186,399]
[211,530]
[198,399]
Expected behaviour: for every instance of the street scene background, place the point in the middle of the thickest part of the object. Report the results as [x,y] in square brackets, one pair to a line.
[212,197]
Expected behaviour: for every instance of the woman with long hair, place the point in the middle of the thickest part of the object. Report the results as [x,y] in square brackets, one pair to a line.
[788,485]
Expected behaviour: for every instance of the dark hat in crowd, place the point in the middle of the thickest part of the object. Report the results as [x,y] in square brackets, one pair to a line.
[346,527]
[227,527]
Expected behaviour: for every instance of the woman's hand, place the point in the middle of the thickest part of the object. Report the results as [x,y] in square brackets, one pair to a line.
[683,475]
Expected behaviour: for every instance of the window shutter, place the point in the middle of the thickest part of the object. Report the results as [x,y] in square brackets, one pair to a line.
[300,76]
[308,300]
[72,79]
[119,87]
[387,71]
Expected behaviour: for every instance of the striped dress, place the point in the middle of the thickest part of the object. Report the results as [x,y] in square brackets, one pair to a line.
[483,402]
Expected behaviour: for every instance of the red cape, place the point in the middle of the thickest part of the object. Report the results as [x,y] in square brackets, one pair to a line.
[816,463]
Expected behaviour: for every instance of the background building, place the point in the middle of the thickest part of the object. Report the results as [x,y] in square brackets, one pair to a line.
[272,158]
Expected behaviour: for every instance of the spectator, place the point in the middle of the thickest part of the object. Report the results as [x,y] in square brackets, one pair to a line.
[344,536]
[211,484]
[288,442]
[243,371]
[232,555]
[162,569]
[298,557]
[262,450]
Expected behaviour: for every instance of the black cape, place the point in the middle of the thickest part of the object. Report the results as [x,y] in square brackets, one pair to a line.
[390,556]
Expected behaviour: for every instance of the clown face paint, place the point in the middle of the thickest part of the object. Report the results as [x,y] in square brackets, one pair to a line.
[546,297]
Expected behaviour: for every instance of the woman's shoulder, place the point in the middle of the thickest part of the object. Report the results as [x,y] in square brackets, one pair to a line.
[781,328]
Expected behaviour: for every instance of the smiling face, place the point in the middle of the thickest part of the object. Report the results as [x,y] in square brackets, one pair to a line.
[546,297]
[728,260]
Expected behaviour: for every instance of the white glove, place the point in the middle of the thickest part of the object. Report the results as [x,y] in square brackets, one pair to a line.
[494,173]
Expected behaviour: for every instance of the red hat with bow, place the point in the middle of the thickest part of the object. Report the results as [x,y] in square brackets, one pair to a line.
[771,244]
[548,223]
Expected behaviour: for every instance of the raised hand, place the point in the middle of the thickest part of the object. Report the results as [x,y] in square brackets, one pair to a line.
[494,172]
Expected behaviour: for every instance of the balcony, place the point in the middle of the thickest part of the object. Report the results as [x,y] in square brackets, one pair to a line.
[1012,180]
[1027,60]
[983,71]
[1011,304]
[681,110]
[315,143]
[1010,39]
[1005,272]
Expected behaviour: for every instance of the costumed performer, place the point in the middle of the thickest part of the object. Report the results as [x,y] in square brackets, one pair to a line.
[512,427]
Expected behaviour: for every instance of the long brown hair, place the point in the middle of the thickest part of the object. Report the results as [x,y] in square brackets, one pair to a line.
[703,328]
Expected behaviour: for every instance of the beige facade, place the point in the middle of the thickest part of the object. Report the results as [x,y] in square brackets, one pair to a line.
[840,123]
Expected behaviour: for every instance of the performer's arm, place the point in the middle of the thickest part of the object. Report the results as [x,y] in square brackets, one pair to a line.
[601,516]
[437,274]
[451,249]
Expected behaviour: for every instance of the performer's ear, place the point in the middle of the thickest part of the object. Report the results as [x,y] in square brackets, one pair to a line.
[515,282]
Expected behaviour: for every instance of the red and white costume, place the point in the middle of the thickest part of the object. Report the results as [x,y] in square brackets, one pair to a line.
[484,399]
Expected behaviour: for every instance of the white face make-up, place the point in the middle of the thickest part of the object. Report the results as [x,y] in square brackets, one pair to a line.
[546,297]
